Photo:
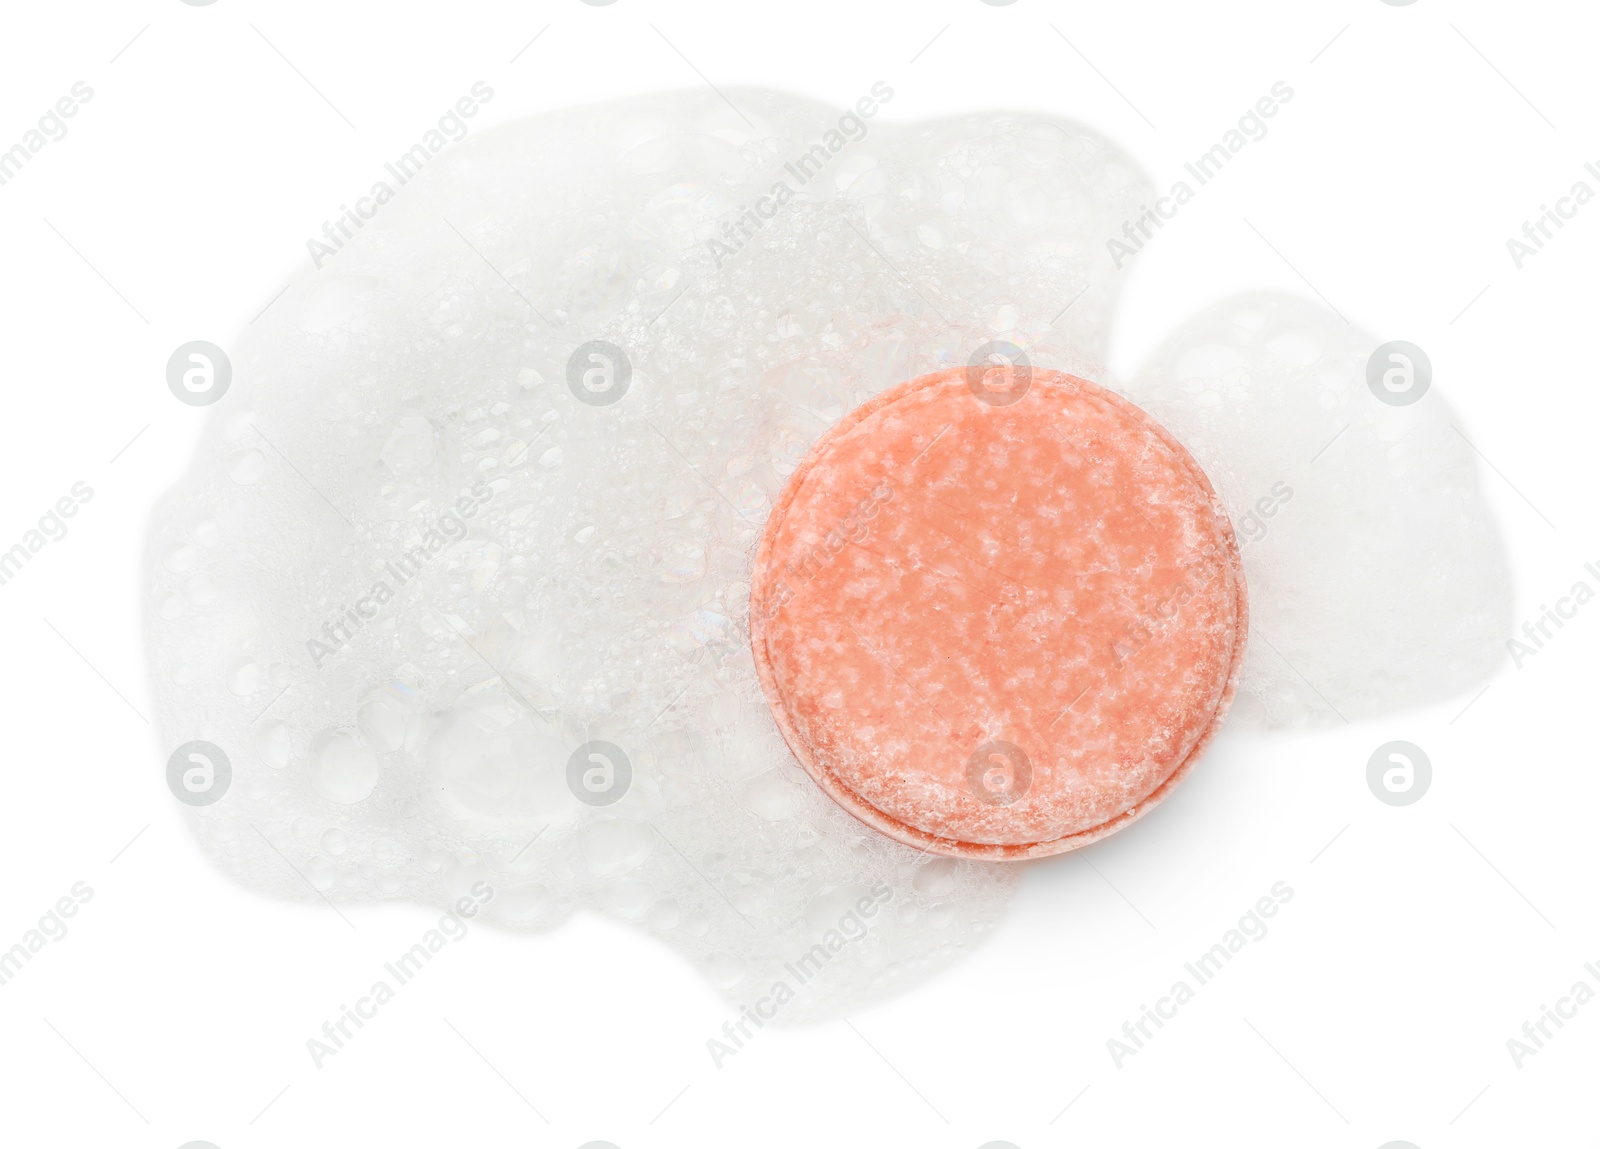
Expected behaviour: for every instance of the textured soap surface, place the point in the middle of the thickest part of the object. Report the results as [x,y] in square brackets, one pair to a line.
[995,618]
[557,573]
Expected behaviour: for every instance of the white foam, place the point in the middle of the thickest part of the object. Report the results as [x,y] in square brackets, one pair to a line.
[597,592]
[1378,580]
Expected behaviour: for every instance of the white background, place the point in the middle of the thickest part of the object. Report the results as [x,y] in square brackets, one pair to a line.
[1378,1006]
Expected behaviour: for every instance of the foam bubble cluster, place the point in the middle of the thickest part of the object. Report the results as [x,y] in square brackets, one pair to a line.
[459,577]
[1378,580]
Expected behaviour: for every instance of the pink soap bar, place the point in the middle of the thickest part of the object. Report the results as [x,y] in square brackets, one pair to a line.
[998,623]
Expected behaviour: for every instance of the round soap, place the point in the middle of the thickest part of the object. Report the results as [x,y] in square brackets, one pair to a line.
[998,613]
